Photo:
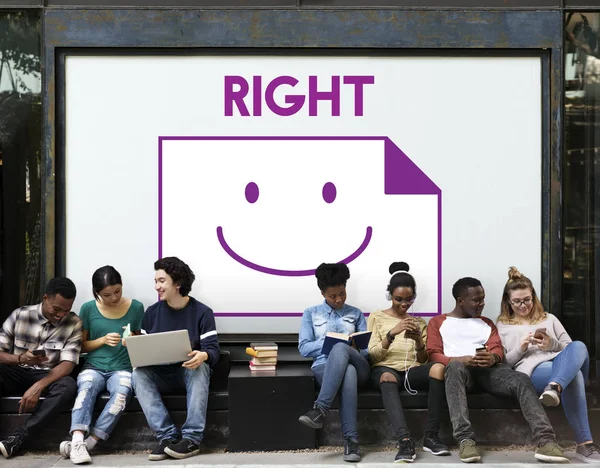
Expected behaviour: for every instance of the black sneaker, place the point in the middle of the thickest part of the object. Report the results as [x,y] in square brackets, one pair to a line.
[184,449]
[433,444]
[159,453]
[351,452]
[11,445]
[314,418]
[407,453]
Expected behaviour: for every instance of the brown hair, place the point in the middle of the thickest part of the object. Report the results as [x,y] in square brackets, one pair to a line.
[517,280]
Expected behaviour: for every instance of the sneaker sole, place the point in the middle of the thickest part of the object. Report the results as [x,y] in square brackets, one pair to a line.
[152,457]
[549,399]
[406,460]
[551,459]
[351,458]
[441,452]
[3,450]
[181,456]
[63,449]
[82,461]
[471,459]
[585,459]
[310,423]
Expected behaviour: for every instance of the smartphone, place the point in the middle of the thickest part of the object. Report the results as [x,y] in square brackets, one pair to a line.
[481,348]
[39,352]
[540,333]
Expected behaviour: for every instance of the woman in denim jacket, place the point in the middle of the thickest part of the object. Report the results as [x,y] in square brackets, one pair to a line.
[344,369]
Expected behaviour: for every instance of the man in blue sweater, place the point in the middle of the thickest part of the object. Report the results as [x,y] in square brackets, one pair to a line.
[176,310]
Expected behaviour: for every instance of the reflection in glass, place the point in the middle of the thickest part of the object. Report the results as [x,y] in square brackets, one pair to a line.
[20,157]
[581,189]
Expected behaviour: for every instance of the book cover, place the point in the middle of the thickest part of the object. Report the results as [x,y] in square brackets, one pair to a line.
[264,346]
[261,353]
[360,339]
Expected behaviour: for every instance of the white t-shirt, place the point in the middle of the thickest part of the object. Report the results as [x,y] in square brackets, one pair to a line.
[462,336]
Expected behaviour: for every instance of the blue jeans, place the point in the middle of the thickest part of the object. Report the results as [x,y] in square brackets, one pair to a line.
[90,383]
[149,382]
[342,373]
[569,369]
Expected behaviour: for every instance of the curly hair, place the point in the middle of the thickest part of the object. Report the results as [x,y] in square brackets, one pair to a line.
[517,280]
[179,271]
[331,274]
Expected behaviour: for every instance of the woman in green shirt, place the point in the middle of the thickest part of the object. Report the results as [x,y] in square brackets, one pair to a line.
[107,366]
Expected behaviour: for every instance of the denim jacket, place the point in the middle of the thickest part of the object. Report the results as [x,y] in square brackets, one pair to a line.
[320,319]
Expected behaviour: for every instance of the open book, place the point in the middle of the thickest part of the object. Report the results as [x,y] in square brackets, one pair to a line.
[360,339]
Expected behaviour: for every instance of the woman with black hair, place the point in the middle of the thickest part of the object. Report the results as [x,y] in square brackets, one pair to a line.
[399,358]
[107,366]
[344,369]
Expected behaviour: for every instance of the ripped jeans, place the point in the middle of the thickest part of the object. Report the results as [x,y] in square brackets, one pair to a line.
[90,383]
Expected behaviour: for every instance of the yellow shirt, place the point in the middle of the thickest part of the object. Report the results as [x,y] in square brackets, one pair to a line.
[401,354]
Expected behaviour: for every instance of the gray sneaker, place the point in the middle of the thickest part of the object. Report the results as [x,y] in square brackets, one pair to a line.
[588,453]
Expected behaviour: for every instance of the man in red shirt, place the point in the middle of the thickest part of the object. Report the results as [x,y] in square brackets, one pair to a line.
[470,348]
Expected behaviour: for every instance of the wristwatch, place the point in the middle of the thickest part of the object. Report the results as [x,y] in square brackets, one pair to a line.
[389,337]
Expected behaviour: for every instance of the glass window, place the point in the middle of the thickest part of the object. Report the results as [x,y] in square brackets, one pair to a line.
[581,175]
[20,156]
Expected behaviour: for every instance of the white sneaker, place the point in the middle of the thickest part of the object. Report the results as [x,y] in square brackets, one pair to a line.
[550,396]
[79,453]
[65,448]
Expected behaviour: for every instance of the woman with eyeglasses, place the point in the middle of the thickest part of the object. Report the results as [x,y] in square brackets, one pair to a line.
[538,345]
[399,361]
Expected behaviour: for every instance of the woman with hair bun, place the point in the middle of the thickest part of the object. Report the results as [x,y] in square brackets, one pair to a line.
[538,345]
[399,358]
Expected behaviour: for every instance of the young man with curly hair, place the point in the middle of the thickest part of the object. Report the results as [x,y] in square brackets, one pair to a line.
[176,310]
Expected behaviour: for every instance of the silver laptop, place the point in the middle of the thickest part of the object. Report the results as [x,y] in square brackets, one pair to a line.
[159,348]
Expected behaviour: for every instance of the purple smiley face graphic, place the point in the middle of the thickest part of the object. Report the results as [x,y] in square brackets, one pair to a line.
[252,193]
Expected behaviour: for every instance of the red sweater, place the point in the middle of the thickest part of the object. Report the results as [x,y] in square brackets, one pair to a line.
[435,343]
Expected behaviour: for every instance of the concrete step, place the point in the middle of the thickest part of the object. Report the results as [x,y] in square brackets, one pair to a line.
[494,427]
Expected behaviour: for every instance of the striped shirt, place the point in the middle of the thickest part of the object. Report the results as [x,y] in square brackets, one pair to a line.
[27,329]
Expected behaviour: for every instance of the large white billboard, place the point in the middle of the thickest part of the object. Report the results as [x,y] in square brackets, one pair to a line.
[255,169]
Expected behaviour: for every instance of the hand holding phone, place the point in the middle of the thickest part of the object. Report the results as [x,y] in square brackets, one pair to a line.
[39,352]
[539,334]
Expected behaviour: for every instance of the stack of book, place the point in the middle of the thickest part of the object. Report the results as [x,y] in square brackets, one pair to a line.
[264,356]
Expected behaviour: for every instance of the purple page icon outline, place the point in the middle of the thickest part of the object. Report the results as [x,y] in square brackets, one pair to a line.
[402,177]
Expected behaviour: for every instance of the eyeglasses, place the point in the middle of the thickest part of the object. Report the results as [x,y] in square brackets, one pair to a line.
[518,303]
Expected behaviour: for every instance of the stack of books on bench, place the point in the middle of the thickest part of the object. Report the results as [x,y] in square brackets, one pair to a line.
[264,356]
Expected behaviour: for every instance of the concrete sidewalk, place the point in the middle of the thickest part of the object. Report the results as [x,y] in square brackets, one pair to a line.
[371,459]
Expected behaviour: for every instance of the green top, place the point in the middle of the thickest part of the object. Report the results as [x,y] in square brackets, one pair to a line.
[109,358]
